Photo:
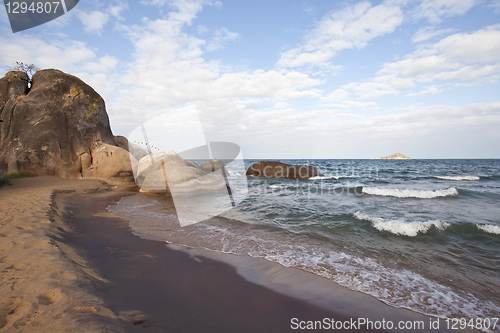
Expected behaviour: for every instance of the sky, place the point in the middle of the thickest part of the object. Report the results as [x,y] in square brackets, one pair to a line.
[287,79]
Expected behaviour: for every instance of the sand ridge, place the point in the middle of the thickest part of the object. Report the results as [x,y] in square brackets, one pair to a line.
[42,288]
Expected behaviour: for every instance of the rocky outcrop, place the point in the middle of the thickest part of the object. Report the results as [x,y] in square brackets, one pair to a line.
[397,156]
[107,162]
[14,84]
[167,173]
[212,165]
[57,127]
[272,169]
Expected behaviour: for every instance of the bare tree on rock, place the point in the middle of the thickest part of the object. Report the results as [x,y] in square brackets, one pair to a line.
[29,69]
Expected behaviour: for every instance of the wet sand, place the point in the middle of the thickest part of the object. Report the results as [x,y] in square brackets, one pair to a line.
[150,285]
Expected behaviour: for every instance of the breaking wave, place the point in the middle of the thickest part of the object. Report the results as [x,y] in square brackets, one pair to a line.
[401,226]
[404,193]
[489,228]
[458,178]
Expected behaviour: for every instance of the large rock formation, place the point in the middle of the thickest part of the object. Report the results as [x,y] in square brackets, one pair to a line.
[59,127]
[397,156]
[167,173]
[271,169]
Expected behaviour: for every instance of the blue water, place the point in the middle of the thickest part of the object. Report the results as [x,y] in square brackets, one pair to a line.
[418,234]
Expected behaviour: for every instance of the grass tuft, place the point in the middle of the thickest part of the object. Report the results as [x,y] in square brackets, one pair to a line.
[18,175]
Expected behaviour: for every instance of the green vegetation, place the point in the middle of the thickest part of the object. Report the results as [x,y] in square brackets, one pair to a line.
[10,176]
[18,175]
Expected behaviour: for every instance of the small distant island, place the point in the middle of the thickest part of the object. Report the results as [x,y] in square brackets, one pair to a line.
[397,156]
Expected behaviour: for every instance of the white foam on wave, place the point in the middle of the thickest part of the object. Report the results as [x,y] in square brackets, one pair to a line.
[489,228]
[408,193]
[401,226]
[458,178]
[395,286]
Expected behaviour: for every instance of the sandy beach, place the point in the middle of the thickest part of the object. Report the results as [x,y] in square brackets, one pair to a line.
[42,289]
[68,265]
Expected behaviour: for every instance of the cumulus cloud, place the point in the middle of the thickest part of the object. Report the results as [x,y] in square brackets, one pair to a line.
[352,27]
[70,56]
[168,70]
[93,21]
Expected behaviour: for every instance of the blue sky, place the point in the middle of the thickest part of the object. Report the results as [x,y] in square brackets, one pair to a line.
[288,79]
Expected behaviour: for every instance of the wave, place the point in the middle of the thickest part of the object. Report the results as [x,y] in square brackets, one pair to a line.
[395,286]
[422,194]
[489,228]
[329,177]
[458,178]
[401,226]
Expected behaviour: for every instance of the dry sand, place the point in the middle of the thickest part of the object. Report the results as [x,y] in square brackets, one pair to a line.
[42,289]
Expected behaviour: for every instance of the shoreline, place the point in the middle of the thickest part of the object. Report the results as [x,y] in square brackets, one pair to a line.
[119,282]
[152,285]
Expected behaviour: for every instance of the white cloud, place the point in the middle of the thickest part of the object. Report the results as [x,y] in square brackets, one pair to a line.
[436,10]
[181,11]
[441,131]
[462,57]
[426,33]
[352,27]
[264,84]
[93,21]
[168,70]
[222,37]
[70,56]
[428,91]
[117,9]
